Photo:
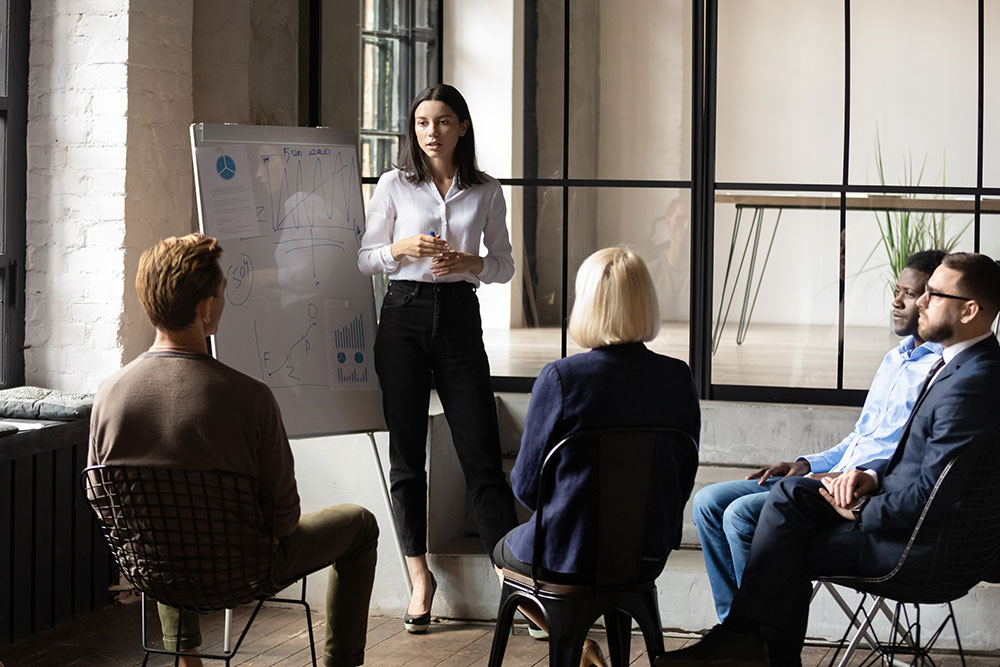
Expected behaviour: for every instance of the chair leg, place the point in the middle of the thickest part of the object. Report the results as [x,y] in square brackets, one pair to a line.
[846,608]
[619,628]
[569,620]
[859,635]
[647,615]
[309,623]
[142,627]
[565,648]
[301,600]
[958,640]
[505,618]
[227,631]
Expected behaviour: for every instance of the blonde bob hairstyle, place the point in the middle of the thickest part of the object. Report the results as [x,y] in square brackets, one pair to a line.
[615,300]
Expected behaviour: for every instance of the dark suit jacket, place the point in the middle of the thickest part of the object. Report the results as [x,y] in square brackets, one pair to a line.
[799,536]
[620,385]
[963,402]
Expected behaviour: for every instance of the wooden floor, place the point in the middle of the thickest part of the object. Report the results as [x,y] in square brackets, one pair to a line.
[110,638]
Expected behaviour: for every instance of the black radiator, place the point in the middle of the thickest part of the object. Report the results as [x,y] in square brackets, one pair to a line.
[54,564]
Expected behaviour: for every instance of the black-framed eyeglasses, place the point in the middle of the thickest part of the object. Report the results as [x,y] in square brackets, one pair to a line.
[942,295]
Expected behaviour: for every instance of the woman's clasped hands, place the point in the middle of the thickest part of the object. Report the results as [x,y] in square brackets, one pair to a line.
[446,261]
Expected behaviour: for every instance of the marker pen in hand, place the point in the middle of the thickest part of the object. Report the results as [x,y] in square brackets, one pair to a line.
[434,235]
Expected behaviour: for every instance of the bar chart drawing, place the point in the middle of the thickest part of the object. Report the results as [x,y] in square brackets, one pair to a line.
[349,337]
[354,377]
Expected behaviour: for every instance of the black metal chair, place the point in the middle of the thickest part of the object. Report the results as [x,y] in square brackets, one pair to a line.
[954,545]
[200,541]
[625,460]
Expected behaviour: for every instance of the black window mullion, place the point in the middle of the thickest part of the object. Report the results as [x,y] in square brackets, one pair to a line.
[846,177]
[15,194]
[439,47]
[564,305]
[979,133]
[706,26]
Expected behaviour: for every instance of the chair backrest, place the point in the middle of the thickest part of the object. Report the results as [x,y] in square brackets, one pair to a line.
[956,541]
[630,512]
[199,540]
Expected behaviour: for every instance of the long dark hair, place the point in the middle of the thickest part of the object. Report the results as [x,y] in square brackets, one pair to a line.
[412,160]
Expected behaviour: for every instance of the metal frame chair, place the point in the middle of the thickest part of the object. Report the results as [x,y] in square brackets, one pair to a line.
[624,459]
[954,545]
[198,540]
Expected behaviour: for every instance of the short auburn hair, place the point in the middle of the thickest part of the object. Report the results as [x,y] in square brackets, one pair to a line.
[175,275]
[615,300]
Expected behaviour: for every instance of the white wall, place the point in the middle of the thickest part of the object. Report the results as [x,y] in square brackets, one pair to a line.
[644,132]
[158,179]
[479,36]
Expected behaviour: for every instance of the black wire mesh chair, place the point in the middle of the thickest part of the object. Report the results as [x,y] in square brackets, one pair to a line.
[954,546]
[198,540]
[625,460]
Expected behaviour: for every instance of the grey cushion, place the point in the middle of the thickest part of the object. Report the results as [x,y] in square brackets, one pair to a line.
[7,429]
[38,403]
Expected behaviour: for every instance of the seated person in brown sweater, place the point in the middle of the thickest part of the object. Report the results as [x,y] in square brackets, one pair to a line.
[175,406]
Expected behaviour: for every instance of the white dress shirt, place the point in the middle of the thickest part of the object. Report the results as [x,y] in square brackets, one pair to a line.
[399,209]
[953,351]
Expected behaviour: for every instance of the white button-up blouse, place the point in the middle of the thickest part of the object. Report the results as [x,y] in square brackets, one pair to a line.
[399,209]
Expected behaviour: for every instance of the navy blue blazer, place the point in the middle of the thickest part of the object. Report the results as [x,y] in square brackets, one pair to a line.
[620,385]
[963,403]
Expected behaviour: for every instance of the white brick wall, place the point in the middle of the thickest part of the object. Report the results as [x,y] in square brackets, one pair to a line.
[159,184]
[108,173]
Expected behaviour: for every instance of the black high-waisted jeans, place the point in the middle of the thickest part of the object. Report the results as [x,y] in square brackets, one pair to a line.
[435,328]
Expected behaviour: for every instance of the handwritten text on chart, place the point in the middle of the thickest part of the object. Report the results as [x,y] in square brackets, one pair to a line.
[239,277]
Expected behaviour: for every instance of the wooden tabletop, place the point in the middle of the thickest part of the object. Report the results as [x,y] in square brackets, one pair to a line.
[862,203]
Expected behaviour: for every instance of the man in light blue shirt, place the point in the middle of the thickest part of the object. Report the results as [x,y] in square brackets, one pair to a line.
[725,514]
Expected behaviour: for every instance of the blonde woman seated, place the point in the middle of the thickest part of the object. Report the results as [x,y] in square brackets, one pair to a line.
[618,383]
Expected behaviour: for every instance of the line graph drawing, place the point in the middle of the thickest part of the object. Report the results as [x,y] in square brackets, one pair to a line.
[313,191]
[311,201]
[291,362]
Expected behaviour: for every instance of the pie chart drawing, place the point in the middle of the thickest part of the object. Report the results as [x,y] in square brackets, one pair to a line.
[226,167]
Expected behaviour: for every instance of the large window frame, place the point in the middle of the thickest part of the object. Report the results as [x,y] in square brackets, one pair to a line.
[395,29]
[705,20]
[703,188]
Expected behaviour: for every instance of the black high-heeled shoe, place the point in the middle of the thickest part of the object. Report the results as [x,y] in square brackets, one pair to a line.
[417,625]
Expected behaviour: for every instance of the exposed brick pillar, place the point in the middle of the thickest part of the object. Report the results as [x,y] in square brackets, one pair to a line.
[108,172]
